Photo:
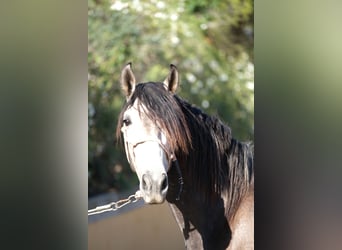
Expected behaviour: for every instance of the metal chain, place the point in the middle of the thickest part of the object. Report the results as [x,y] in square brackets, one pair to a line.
[113,206]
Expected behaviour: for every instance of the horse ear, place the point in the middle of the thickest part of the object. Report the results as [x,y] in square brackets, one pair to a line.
[172,80]
[127,80]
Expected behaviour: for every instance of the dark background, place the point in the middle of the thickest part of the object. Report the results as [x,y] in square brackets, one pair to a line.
[44,109]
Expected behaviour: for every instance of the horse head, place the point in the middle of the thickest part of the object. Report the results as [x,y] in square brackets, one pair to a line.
[147,141]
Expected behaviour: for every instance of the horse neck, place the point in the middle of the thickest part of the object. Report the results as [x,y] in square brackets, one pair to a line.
[206,164]
[207,224]
[200,211]
[218,165]
[204,226]
[212,189]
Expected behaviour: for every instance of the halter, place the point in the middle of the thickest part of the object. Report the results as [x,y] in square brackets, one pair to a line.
[129,149]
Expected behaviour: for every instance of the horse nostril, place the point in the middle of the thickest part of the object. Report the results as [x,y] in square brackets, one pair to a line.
[146,184]
[164,183]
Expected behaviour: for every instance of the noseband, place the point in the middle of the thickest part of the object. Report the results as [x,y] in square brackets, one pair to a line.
[129,149]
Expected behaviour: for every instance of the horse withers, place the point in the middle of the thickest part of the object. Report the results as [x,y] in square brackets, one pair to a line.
[190,159]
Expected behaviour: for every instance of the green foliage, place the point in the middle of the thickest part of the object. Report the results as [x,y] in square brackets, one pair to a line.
[211,42]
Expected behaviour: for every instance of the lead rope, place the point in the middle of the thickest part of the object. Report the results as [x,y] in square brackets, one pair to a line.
[113,206]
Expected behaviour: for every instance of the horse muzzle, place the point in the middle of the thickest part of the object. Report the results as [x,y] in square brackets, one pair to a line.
[154,187]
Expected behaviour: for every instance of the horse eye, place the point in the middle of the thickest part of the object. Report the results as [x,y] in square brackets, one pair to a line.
[126,122]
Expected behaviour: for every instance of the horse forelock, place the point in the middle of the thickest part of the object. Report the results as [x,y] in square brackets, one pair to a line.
[160,107]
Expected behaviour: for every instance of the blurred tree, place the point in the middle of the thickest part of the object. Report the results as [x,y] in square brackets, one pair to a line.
[210,41]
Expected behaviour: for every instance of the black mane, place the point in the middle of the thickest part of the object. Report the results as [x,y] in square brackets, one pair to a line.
[218,162]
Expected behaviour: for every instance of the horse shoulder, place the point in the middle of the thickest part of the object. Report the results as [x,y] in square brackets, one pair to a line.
[242,224]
